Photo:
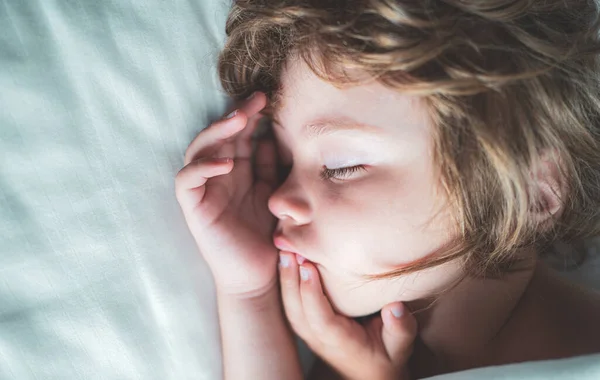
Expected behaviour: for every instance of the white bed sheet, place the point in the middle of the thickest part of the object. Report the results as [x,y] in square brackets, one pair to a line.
[99,278]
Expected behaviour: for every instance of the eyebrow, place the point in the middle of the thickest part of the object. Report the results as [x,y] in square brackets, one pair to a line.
[326,127]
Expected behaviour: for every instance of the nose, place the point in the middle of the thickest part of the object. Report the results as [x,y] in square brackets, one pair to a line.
[289,201]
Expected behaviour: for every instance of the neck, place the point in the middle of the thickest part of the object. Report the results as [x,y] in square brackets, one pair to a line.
[457,329]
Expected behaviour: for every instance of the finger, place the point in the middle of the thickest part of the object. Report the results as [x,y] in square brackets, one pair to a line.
[266,166]
[239,145]
[210,139]
[331,329]
[189,182]
[254,104]
[251,107]
[290,293]
[399,332]
[243,140]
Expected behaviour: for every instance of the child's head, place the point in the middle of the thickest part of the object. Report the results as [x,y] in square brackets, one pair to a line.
[469,130]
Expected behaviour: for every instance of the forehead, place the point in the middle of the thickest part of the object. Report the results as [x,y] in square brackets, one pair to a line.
[305,99]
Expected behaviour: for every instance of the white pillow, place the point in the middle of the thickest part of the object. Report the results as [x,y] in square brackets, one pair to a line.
[99,277]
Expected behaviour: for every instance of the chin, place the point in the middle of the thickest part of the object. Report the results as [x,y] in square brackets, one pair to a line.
[353,308]
[354,299]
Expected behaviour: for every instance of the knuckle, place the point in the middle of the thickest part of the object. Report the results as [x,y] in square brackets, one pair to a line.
[181,175]
[179,199]
[302,332]
[287,281]
[332,333]
[305,334]
[189,153]
[316,321]
[286,275]
[178,177]
[179,190]
[297,324]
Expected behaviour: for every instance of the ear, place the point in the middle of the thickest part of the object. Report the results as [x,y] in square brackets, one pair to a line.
[549,189]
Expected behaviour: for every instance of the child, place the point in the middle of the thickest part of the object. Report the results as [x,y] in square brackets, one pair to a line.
[437,149]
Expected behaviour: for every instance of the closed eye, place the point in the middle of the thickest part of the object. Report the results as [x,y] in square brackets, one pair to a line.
[341,173]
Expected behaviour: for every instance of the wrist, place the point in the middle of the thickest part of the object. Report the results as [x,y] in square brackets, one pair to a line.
[261,297]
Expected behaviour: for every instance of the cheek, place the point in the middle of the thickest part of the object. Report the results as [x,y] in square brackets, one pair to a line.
[418,223]
[354,296]
[374,227]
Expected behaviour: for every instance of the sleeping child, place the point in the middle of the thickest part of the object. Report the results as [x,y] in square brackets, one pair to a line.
[420,158]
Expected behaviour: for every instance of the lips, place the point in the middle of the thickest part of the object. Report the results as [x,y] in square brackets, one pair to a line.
[284,245]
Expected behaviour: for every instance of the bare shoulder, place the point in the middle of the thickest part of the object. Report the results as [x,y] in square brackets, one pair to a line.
[555,319]
[575,314]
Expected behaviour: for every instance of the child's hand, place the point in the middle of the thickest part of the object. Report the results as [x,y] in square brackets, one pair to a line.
[378,350]
[224,201]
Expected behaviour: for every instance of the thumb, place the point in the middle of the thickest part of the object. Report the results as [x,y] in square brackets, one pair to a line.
[399,332]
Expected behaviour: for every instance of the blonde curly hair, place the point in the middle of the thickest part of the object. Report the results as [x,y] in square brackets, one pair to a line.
[506,82]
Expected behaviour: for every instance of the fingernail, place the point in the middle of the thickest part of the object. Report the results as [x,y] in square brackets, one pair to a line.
[251,95]
[232,114]
[397,311]
[304,274]
[284,261]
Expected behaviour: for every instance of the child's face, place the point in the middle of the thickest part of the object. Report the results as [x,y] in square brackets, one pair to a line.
[369,221]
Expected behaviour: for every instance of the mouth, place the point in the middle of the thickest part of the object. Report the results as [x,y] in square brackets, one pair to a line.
[283,244]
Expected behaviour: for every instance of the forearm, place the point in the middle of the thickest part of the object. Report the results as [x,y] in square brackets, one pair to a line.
[257,343]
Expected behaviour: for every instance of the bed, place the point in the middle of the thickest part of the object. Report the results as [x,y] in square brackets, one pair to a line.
[99,277]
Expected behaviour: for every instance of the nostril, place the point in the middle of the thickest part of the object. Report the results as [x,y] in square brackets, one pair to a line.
[282,216]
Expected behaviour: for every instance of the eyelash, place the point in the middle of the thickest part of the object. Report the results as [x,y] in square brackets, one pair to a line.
[328,174]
